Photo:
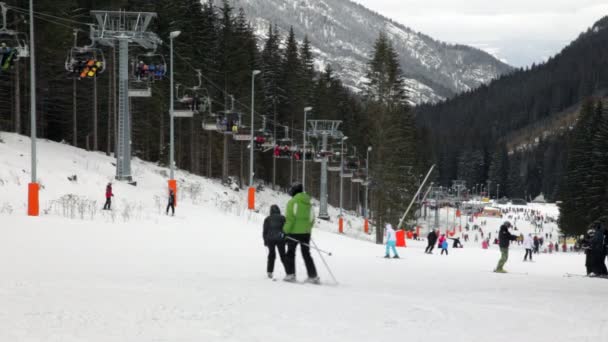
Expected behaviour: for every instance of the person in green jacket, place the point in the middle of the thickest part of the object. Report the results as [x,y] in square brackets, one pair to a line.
[299,220]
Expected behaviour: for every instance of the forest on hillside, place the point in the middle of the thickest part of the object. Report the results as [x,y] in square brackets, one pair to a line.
[473,133]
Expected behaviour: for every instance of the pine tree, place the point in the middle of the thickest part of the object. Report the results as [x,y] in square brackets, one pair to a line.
[391,135]
[575,206]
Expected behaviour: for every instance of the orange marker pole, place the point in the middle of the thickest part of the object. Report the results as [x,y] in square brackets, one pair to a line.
[173,186]
[341,225]
[251,198]
[366,226]
[33,203]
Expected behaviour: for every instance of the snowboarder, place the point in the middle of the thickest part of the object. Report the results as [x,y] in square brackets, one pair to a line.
[171,204]
[391,241]
[109,195]
[504,240]
[528,245]
[444,247]
[299,220]
[431,239]
[274,239]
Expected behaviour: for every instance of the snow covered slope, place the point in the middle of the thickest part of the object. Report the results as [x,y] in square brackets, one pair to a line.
[343,32]
[200,276]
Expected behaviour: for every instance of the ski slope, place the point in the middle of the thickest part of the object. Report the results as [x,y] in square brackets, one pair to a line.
[200,276]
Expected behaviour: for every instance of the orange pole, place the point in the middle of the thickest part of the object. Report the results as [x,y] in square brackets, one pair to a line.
[173,186]
[341,225]
[366,226]
[251,199]
[33,200]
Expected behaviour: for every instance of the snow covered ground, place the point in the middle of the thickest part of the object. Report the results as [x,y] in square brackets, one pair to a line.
[139,275]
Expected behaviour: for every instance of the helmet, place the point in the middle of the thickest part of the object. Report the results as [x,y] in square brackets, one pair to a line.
[296,188]
[507,224]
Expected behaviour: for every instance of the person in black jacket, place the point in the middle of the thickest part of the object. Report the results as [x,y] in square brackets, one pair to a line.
[431,240]
[171,204]
[597,252]
[504,240]
[273,238]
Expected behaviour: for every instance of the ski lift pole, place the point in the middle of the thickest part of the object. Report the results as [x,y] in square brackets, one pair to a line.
[415,196]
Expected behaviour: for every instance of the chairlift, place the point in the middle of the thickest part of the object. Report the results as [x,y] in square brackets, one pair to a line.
[211,123]
[359,176]
[193,100]
[84,61]
[13,44]
[150,67]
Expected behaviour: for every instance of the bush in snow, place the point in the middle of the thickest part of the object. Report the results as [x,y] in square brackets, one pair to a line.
[6,208]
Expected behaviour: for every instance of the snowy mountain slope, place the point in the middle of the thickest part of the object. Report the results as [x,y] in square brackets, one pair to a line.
[343,33]
[85,197]
[200,276]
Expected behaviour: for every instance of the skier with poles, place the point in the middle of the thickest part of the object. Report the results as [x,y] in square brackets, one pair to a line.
[274,239]
[504,240]
[299,220]
[391,241]
[109,195]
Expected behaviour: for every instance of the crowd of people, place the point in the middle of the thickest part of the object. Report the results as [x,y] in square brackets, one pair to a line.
[86,68]
[144,72]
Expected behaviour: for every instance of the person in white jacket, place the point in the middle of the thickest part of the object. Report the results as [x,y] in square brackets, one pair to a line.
[529,246]
[391,241]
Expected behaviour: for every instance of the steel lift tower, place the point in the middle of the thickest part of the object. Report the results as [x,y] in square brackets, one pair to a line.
[324,130]
[123,28]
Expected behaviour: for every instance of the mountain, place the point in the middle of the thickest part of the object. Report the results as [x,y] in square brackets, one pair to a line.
[526,116]
[343,32]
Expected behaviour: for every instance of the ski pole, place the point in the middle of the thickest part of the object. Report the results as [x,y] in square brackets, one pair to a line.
[309,246]
[324,262]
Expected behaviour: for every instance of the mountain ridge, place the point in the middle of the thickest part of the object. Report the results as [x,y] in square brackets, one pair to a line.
[342,34]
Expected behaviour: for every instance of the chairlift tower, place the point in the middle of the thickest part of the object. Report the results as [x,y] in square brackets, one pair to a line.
[123,28]
[324,130]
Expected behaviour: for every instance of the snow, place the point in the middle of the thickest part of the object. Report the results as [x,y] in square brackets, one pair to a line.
[200,276]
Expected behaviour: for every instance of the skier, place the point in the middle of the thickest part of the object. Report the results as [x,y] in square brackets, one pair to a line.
[444,247]
[274,239]
[528,245]
[586,243]
[504,240]
[441,239]
[536,244]
[391,241]
[598,252]
[299,220]
[171,204]
[109,195]
[431,239]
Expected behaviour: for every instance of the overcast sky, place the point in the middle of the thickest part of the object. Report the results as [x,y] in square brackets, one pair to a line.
[519,32]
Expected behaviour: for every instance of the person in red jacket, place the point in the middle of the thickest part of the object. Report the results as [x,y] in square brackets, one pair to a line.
[109,196]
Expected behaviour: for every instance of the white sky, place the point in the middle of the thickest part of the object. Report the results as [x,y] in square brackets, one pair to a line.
[517,31]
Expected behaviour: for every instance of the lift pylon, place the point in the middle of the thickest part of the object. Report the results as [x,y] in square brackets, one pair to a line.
[123,28]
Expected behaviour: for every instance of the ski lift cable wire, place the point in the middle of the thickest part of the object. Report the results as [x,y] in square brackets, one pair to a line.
[259,116]
[36,13]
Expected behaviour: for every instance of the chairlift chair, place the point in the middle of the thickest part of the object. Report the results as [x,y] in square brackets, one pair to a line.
[13,44]
[85,62]
[150,66]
